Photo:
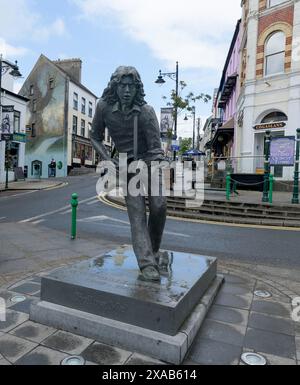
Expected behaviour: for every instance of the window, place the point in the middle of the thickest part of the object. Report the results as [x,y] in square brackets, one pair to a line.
[17,116]
[75,101]
[90,109]
[31,92]
[275,54]
[34,105]
[272,3]
[75,123]
[83,104]
[276,116]
[33,130]
[51,83]
[90,129]
[82,127]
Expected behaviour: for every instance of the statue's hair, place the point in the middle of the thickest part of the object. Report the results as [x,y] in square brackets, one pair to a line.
[110,92]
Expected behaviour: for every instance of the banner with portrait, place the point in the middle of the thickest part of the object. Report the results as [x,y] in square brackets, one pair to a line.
[7,120]
[166,121]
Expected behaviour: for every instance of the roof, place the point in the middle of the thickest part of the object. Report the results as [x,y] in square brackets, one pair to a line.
[14,95]
[74,80]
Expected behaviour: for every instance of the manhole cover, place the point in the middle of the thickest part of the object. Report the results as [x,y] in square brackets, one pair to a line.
[18,298]
[262,294]
[73,360]
[253,359]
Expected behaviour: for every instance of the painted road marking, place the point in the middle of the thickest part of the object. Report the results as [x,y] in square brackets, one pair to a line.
[66,212]
[93,203]
[54,211]
[37,222]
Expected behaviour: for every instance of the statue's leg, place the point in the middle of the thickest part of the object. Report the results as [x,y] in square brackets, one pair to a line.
[141,240]
[157,220]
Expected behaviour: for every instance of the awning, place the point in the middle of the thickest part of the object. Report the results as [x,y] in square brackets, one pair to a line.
[228,124]
[222,135]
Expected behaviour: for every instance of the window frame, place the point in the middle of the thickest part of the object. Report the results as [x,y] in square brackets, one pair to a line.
[82,128]
[75,101]
[274,54]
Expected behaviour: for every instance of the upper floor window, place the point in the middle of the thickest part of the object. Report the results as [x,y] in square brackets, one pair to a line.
[82,127]
[83,105]
[31,89]
[75,101]
[90,109]
[276,116]
[75,123]
[275,53]
[272,3]
[17,117]
[51,83]
[34,105]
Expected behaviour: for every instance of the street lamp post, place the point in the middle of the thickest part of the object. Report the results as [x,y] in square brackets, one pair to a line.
[267,166]
[295,199]
[194,123]
[160,80]
[5,66]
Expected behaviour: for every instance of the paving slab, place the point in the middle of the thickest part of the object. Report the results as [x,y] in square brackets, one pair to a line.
[42,356]
[13,319]
[236,289]
[33,331]
[103,354]
[13,348]
[24,306]
[298,348]
[234,301]
[208,352]
[140,359]
[276,344]
[271,307]
[222,332]
[67,342]
[270,358]
[228,315]
[271,323]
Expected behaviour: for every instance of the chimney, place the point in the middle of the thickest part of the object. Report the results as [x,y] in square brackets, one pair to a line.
[72,67]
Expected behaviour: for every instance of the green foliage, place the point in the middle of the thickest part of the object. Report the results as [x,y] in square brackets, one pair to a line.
[185,145]
[184,103]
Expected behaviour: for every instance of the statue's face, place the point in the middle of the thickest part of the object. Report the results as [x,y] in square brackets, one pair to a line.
[126,91]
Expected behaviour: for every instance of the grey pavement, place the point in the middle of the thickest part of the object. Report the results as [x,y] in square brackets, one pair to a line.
[33,184]
[237,322]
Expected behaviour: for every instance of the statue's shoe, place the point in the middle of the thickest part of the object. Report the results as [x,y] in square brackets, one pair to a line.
[150,273]
[162,259]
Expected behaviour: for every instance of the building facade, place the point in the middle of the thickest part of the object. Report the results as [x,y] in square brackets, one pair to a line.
[269,80]
[225,102]
[15,153]
[59,118]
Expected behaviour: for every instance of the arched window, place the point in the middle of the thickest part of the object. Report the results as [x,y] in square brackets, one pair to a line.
[275,53]
[272,3]
[275,116]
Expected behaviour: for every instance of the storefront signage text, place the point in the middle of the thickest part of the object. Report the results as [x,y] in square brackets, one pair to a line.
[266,126]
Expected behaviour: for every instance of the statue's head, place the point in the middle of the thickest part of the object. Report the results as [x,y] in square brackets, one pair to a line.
[126,87]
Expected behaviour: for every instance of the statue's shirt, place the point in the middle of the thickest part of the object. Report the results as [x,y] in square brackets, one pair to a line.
[120,126]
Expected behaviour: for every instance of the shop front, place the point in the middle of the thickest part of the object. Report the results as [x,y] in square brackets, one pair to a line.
[82,152]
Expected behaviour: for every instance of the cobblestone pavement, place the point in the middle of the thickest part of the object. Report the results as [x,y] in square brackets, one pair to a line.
[238,322]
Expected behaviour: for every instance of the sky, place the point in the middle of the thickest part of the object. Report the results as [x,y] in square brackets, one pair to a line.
[147,34]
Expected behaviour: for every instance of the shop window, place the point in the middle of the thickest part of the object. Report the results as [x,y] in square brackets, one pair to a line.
[275,53]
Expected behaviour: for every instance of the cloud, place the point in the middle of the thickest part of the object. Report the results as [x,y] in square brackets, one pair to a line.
[8,50]
[195,32]
[20,21]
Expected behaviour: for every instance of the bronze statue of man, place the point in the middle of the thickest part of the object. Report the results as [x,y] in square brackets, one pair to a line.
[134,129]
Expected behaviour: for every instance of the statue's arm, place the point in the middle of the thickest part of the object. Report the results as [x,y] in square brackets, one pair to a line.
[98,132]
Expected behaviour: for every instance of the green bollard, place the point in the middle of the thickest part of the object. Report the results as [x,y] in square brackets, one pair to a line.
[74,204]
[271,184]
[228,181]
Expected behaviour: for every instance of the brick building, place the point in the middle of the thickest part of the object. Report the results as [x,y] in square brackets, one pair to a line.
[269,80]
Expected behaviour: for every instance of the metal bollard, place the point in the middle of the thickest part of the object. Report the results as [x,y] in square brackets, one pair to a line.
[74,204]
[271,184]
[228,181]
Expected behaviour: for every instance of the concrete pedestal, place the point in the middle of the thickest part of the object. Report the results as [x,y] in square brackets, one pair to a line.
[106,299]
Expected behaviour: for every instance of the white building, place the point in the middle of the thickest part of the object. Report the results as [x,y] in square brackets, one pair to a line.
[269,79]
[16,150]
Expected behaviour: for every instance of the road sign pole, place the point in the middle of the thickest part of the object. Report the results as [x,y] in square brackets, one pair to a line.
[295,199]
[267,166]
